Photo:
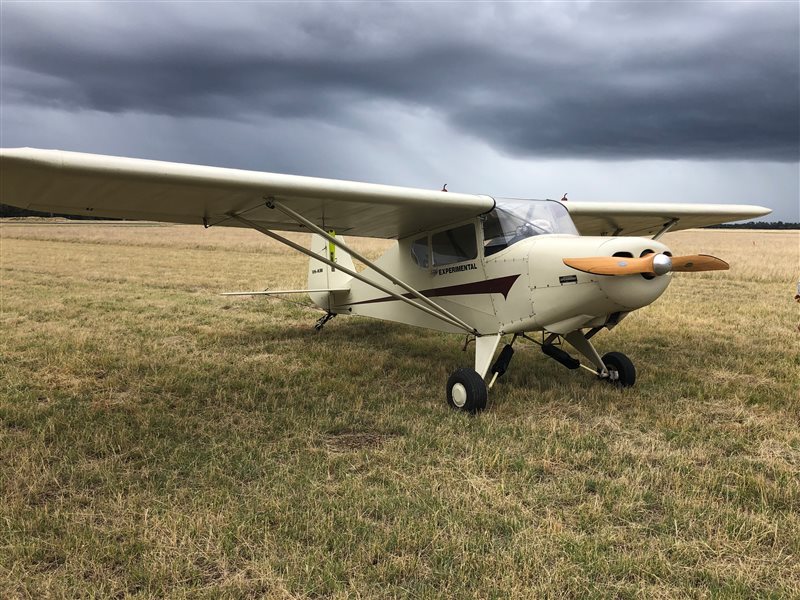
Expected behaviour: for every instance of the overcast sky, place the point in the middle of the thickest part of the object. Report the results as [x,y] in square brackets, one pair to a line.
[628,101]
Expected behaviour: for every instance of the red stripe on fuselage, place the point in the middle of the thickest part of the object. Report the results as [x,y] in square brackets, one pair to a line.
[501,285]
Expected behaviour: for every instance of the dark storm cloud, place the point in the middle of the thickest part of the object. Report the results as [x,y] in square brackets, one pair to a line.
[602,81]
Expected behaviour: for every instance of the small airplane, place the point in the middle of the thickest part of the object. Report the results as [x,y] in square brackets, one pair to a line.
[485,267]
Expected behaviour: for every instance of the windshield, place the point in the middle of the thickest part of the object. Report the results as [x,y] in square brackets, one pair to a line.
[514,220]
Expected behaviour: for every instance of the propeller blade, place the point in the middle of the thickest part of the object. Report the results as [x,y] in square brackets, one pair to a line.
[651,264]
[612,265]
[698,262]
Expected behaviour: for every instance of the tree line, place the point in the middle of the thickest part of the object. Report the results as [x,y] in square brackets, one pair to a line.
[13,211]
[756,225]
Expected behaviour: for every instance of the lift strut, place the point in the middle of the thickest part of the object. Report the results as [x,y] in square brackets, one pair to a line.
[352,273]
[337,242]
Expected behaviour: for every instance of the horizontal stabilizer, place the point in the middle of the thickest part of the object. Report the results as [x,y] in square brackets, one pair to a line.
[279,292]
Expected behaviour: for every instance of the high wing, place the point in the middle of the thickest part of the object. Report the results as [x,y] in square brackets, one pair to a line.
[643,219]
[109,186]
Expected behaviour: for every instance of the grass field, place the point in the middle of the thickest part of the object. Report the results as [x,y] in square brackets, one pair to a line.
[159,440]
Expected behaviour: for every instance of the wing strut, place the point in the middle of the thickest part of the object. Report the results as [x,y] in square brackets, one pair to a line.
[352,273]
[333,240]
[665,228]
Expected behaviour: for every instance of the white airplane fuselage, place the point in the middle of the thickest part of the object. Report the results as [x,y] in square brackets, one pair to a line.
[525,287]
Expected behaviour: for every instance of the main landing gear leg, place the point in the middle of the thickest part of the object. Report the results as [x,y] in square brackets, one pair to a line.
[466,388]
[614,367]
[585,347]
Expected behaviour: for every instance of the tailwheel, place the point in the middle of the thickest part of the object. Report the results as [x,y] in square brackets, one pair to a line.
[621,371]
[466,391]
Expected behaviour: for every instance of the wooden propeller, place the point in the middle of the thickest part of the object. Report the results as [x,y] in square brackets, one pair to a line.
[652,264]
[698,262]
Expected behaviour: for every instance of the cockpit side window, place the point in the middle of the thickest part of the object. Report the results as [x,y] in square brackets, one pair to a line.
[454,245]
[419,252]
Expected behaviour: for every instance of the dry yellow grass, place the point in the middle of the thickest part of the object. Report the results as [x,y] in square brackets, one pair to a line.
[158,440]
[769,256]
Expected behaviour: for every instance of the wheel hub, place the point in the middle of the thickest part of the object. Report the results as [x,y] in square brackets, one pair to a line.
[459,393]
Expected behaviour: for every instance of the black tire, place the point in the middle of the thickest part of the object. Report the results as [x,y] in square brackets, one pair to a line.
[470,391]
[621,371]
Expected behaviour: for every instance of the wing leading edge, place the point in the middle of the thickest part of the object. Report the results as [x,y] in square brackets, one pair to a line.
[117,187]
[643,219]
[110,186]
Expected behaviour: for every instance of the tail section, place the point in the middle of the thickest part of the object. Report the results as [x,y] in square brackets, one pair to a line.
[324,277]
